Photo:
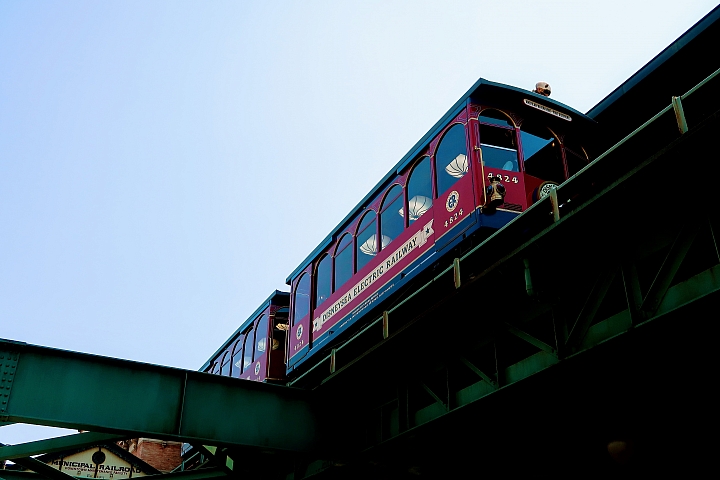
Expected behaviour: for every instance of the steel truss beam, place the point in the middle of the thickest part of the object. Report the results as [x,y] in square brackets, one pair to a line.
[57,388]
[200,474]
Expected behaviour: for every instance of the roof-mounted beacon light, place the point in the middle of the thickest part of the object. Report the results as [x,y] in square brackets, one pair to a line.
[543,88]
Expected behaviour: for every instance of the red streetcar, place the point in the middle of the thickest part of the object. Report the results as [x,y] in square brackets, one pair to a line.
[256,351]
[497,151]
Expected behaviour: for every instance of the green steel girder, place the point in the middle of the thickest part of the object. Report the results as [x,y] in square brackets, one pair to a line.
[669,268]
[57,388]
[200,474]
[592,304]
[57,444]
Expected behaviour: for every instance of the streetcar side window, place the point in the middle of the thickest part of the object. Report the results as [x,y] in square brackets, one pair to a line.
[343,261]
[391,220]
[498,141]
[237,357]
[261,336]
[248,349]
[419,190]
[225,369]
[301,305]
[323,280]
[542,153]
[366,240]
[451,161]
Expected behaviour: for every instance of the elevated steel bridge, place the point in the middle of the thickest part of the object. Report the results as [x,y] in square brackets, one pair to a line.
[582,344]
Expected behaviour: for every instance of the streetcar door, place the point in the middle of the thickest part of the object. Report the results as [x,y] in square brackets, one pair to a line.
[500,157]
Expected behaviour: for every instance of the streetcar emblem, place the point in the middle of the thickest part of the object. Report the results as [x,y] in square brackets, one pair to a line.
[452,201]
[257,368]
[299,331]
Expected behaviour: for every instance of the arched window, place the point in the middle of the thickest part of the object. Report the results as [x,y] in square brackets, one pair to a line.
[496,117]
[248,349]
[323,280]
[343,261]
[391,220]
[261,336]
[225,368]
[542,153]
[301,306]
[237,358]
[419,190]
[498,141]
[367,244]
[451,162]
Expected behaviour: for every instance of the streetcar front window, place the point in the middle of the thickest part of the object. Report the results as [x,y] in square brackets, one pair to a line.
[499,148]
[543,157]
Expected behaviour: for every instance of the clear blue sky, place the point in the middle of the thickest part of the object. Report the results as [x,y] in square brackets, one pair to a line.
[164,165]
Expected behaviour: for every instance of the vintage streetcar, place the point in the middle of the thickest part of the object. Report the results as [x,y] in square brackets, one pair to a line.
[497,151]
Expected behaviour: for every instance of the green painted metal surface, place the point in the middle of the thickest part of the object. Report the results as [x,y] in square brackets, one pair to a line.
[72,390]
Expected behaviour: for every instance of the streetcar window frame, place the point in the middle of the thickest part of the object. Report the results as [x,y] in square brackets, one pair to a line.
[440,169]
[387,207]
[340,248]
[411,176]
[362,229]
[511,126]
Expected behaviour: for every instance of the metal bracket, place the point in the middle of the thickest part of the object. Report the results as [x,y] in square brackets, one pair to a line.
[456,272]
[333,360]
[386,324]
[555,204]
[679,114]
